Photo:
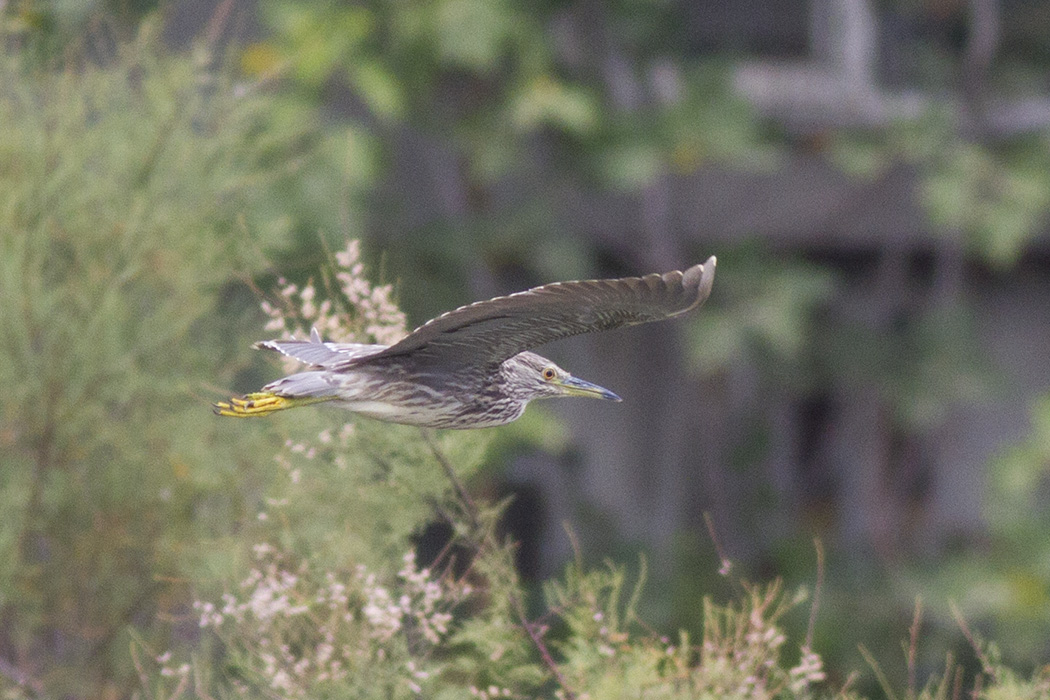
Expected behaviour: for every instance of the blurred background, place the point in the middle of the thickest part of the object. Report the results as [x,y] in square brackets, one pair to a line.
[871,369]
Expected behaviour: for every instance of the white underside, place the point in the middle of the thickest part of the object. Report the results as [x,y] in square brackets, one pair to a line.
[379,410]
[372,409]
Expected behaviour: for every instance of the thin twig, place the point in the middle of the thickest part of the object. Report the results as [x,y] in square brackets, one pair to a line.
[726,564]
[819,546]
[986,663]
[957,686]
[537,641]
[574,543]
[468,502]
[951,670]
[532,629]
[913,646]
[199,684]
[217,23]
[848,685]
[884,682]
[143,676]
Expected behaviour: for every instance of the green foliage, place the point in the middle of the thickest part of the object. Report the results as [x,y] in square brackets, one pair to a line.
[493,86]
[997,197]
[738,656]
[776,318]
[47,29]
[134,197]
[991,197]
[621,104]
[1008,589]
[126,195]
[322,595]
[1003,590]
[765,316]
[400,59]
[923,366]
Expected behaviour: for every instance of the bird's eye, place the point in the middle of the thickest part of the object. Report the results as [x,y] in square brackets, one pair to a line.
[549,373]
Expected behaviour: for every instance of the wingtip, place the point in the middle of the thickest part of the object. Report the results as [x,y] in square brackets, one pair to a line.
[701,277]
[707,279]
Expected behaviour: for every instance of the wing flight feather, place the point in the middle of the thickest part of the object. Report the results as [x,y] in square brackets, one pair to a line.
[494,330]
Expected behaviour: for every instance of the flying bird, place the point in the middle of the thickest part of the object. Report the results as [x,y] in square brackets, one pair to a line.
[472,367]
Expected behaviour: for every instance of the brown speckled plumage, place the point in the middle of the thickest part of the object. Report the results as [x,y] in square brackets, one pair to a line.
[470,368]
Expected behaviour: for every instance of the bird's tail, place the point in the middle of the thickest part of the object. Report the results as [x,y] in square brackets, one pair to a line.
[300,389]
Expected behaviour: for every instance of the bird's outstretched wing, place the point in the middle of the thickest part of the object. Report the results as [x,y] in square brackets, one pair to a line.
[492,331]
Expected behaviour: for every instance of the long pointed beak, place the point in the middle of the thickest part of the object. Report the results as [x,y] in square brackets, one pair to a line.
[579,387]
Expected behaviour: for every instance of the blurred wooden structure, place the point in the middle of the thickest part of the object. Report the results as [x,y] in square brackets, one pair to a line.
[650,466]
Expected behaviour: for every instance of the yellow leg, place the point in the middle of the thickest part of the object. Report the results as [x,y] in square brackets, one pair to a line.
[260,403]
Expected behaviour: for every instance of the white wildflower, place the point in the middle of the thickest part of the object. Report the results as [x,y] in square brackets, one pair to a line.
[810,669]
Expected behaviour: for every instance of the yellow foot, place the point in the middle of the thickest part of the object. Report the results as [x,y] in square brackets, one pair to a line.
[260,403]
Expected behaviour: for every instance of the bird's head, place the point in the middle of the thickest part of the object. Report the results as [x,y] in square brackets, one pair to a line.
[530,376]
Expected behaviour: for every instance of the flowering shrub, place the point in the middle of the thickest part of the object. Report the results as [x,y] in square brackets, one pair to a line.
[740,655]
[353,311]
[319,609]
[324,632]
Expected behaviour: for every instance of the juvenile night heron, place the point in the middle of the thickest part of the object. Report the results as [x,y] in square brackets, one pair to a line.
[471,368]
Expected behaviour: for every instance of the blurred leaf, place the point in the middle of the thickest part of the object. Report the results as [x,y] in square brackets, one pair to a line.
[474,33]
[939,366]
[864,158]
[631,165]
[760,307]
[259,59]
[379,88]
[546,101]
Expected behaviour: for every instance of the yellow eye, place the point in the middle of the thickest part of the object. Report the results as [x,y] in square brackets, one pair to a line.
[549,373]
